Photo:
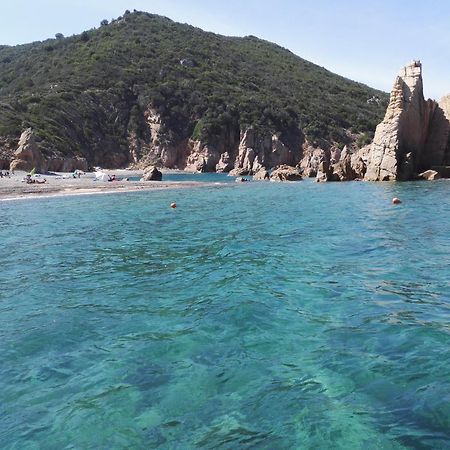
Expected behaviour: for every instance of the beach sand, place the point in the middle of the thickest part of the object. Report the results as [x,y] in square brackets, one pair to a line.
[58,184]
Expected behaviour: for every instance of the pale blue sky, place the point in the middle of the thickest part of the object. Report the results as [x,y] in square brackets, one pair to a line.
[367,41]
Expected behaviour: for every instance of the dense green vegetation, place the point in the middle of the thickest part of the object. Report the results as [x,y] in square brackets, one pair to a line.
[84,94]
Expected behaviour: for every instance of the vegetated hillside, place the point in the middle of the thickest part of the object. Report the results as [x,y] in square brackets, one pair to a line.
[85,95]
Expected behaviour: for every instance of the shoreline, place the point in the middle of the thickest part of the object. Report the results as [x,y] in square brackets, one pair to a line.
[62,185]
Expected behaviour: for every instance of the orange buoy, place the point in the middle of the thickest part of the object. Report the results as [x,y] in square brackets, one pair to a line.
[396,201]
[173,205]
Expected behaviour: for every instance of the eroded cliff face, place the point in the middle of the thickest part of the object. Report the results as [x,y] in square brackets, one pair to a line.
[414,133]
[28,157]
[262,150]
[437,146]
[245,151]
[155,145]
[216,155]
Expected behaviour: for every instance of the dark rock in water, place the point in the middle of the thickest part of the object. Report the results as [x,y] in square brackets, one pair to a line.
[28,156]
[286,173]
[152,174]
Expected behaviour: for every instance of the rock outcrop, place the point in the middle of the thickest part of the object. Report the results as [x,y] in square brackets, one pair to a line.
[286,173]
[151,173]
[28,156]
[429,175]
[261,175]
[413,136]
[260,150]
[60,164]
[312,158]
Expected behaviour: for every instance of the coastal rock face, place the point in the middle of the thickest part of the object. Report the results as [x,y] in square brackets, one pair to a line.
[151,173]
[67,164]
[261,175]
[343,170]
[414,133]
[258,150]
[351,165]
[286,173]
[28,156]
[312,158]
[155,146]
[324,172]
[217,155]
[437,147]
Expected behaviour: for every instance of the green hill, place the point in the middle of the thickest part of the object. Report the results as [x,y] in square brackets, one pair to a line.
[85,95]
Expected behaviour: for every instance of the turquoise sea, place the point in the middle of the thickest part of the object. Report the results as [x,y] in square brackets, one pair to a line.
[253,316]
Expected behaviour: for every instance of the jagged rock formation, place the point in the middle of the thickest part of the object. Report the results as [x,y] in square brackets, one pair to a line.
[261,175]
[259,150]
[414,135]
[217,155]
[312,158]
[286,173]
[28,156]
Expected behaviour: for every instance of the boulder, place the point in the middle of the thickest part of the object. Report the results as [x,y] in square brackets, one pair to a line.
[286,173]
[151,173]
[28,156]
[238,172]
[429,175]
[225,163]
[262,174]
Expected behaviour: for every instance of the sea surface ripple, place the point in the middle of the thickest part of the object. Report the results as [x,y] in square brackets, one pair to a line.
[258,315]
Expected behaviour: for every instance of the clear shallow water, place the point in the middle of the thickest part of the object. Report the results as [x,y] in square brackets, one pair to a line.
[263,316]
[201,177]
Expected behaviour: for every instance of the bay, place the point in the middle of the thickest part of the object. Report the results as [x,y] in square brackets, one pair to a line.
[254,315]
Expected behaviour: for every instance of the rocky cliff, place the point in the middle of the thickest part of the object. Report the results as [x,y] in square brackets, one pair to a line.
[28,157]
[414,135]
[412,141]
[145,90]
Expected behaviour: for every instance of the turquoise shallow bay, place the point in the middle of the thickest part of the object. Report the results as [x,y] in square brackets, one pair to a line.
[262,316]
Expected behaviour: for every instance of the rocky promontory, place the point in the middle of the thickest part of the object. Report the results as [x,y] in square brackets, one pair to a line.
[412,141]
[414,135]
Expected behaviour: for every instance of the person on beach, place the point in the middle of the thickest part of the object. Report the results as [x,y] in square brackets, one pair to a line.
[30,180]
